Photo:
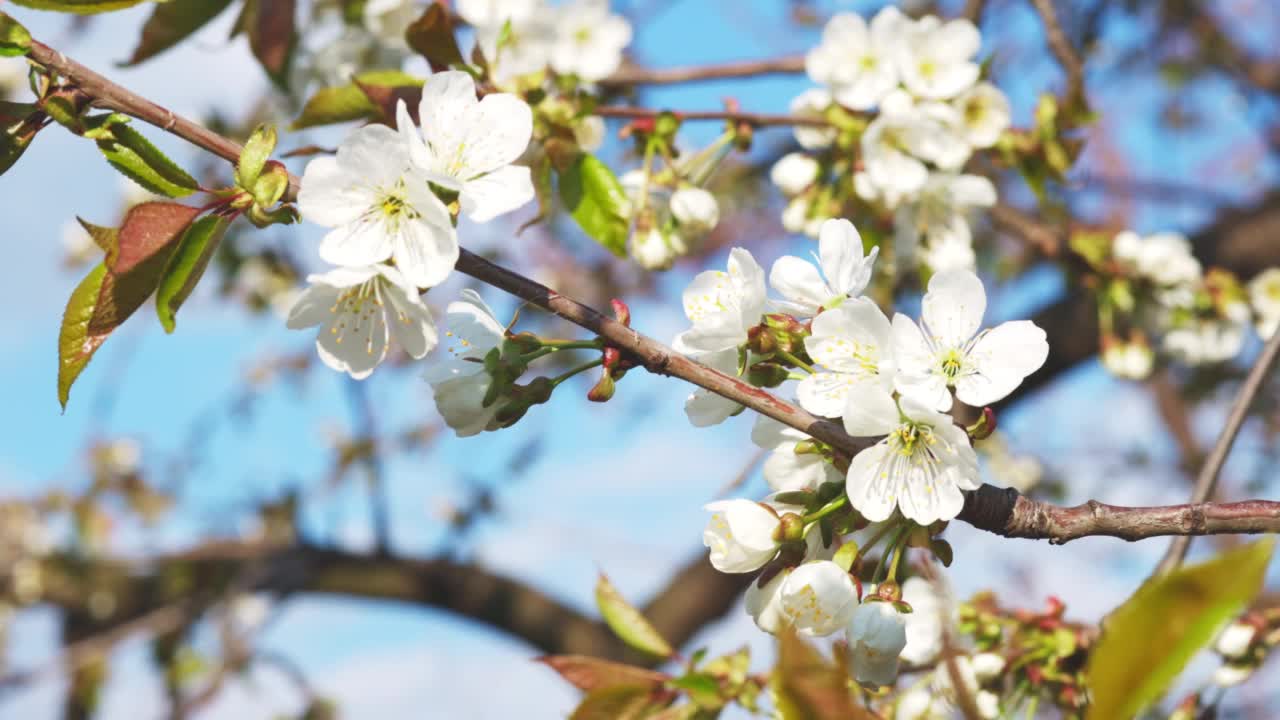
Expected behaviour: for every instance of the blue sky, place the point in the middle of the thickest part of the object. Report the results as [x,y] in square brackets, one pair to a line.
[594,499]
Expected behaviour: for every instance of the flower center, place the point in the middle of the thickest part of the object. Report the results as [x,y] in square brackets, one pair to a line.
[394,208]
[951,363]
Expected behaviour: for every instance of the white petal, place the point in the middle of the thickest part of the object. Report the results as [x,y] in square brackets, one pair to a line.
[497,132]
[972,191]
[330,195]
[870,410]
[352,343]
[917,376]
[799,282]
[313,306]
[872,491]
[748,280]
[496,193]
[853,338]
[363,242]
[957,40]
[824,393]
[840,251]
[1001,358]
[426,253]
[954,306]
[373,155]
[785,470]
[411,323]
[768,433]
[928,496]
[705,408]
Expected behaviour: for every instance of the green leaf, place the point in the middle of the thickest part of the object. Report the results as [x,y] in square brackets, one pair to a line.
[272,36]
[187,265]
[627,622]
[21,122]
[1149,639]
[79,7]
[808,687]
[14,39]
[596,200]
[351,102]
[172,22]
[107,238]
[432,37]
[254,156]
[589,673]
[616,703]
[140,161]
[75,344]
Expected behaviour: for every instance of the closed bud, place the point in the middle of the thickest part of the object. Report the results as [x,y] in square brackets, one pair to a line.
[538,390]
[767,374]
[603,389]
[984,427]
[524,342]
[889,591]
[270,185]
[761,340]
[790,528]
[612,356]
[793,173]
[666,125]
[621,312]
[696,210]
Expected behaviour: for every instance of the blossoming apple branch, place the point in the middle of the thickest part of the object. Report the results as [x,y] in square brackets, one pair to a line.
[1004,512]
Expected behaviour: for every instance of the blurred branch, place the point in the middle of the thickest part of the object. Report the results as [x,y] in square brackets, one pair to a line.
[379,503]
[972,10]
[1061,48]
[757,119]
[1208,477]
[1042,236]
[789,64]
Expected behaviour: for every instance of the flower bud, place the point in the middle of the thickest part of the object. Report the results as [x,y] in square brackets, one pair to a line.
[603,389]
[621,312]
[695,210]
[589,132]
[1232,675]
[1235,640]
[793,173]
[795,215]
[984,427]
[741,535]
[767,374]
[876,635]
[790,528]
[987,666]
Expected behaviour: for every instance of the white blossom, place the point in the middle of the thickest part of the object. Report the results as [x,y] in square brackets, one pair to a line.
[984,114]
[1131,360]
[695,210]
[379,207]
[931,611]
[812,103]
[359,310]
[764,602]
[1232,675]
[1264,296]
[741,534]
[495,13]
[845,271]
[918,703]
[987,666]
[589,40]
[652,249]
[521,48]
[589,132]
[13,76]
[723,306]
[987,702]
[938,217]
[793,173]
[1163,258]
[467,145]
[901,139]
[876,635]
[920,467]
[387,20]
[850,344]
[1205,341]
[705,408]
[947,349]
[856,61]
[818,598]
[457,375]
[935,59]
[785,469]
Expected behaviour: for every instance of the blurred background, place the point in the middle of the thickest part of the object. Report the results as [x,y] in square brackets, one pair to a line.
[227,431]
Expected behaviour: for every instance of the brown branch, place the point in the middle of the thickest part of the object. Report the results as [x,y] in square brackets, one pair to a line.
[1043,237]
[757,119]
[1011,514]
[1208,477]
[972,10]
[1061,48]
[788,65]
[1002,512]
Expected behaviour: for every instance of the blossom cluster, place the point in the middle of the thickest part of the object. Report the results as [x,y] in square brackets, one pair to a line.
[884,379]
[519,38]
[391,198]
[918,83]
[1156,290]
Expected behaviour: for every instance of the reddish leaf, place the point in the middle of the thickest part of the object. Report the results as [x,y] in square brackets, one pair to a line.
[272,36]
[386,97]
[149,229]
[432,36]
[807,686]
[588,673]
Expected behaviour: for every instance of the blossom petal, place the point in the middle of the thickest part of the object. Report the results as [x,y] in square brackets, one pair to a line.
[954,306]
[825,393]
[496,193]
[705,408]
[748,280]
[799,281]
[313,306]
[854,338]
[497,132]
[840,252]
[768,433]
[373,155]
[363,242]
[447,98]
[1000,359]
[330,195]
[786,470]
[872,491]
[870,410]
[928,493]
[412,325]
[354,343]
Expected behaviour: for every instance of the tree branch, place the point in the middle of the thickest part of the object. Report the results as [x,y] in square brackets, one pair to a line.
[757,119]
[1212,468]
[1061,48]
[788,65]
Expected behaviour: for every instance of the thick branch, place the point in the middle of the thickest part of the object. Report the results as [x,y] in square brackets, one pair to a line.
[1011,514]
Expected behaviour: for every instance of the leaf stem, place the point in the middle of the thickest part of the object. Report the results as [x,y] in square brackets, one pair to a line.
[555,381]
[785,355]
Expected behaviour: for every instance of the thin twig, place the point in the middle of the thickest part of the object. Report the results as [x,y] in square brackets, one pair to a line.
[756,119]
[1061,48]
[1043,237]
[1208,477]
[789,65]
